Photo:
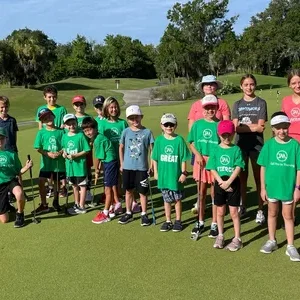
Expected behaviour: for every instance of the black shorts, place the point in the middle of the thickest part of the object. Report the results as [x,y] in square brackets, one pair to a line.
[4,189]
[137,180]
[252,154]
[231,198]
[78,180]
[53,175]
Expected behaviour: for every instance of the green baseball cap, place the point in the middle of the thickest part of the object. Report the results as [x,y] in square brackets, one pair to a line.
[3,132]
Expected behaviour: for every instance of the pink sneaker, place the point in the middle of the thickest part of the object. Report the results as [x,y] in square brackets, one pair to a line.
[101,218]
[136,208]
[118,208]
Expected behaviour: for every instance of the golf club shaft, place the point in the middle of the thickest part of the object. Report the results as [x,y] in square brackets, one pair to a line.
[152,207]
[32,192]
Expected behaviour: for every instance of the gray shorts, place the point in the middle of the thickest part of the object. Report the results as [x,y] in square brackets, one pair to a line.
[171,196]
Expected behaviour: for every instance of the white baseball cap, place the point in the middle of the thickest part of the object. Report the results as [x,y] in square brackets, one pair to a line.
[209,100]
[168,118]
[133,110]
[68,117]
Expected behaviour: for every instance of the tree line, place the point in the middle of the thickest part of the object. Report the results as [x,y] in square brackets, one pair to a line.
[199,39]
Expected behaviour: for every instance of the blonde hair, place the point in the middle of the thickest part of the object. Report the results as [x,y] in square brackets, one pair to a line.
[291,74]
[5,100]
[108,101]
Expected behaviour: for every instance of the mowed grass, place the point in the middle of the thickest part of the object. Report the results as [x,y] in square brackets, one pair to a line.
[71,258]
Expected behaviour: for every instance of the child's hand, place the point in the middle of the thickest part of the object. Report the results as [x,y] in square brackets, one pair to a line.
[155,175]
[182,178]
[150,172]
[51,155]
[70,156]
[199,160]
[29,164]
[263,195]
[121,168]
[296,195]
[224,185]
[65,155]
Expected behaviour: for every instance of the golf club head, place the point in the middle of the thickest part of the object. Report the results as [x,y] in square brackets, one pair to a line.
[195,237]
[36,221]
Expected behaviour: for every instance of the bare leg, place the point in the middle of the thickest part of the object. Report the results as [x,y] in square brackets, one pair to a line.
[273,208]
[236,221]
[288,216]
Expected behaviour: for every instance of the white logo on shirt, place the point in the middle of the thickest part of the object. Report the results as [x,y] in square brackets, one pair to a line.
[169,150]
[295,112]
[3,159]
[52,140]
[114,131]
[224,160]
[281,156]
[71,144]
[207,133]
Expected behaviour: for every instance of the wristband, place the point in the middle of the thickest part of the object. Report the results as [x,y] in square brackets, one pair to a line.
[297,187]
[185,173]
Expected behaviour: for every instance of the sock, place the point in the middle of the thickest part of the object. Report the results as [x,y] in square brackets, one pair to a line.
[168,221]
[288,246]
[221,234]
[143,213]
[213,224]
[201,223]
[105,211]
[128,212]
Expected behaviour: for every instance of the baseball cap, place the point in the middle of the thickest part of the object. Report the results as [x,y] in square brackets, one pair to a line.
[279,119]
[68,117]
[209,100]
[98,100]
[78,98]
[133,110]
[226,126]
[3,132]
[168,118]
[211,79]
[43,112]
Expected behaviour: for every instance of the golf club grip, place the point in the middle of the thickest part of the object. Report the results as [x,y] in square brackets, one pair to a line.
[30,170]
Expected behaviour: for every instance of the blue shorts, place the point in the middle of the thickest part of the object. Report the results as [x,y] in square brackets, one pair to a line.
[111,173]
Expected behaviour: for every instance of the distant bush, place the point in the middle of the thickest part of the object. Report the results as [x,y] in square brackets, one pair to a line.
[228,88]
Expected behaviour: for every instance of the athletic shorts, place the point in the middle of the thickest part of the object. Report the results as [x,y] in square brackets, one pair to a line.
[171,196]
[111,173]
[138,180]
[283,202]
[78,180]
[4,189]
[53,175]
[252,154]
[89,159]
[231,198]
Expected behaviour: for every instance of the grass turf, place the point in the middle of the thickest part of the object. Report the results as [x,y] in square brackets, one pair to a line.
[71,258]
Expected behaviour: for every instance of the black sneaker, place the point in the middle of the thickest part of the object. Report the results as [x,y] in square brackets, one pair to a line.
[166,226]
[198,228]
[19,220]
[126,219]
[214,232]
[177,226]
[145,221]
[55,205]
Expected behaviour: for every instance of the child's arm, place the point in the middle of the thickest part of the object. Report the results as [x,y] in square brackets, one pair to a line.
[198,157]
[243,128]
[263,192]
[297,188]
[77,155]
[150,160]
[27,166]
[155,171]
[226,184]
[121,156]
[183,175]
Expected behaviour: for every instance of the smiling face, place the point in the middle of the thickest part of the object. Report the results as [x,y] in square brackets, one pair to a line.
[48,119]
[248,87]
[168,128]
[295,84]
[113,110]
[209,88]
[3,109]
[281,131]
[79,107]
[50,99]
[134,120]
[71,126]
[209,111]
[226,138]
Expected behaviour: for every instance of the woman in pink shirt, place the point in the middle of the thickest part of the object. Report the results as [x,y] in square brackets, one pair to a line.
[209,86]
[291,104]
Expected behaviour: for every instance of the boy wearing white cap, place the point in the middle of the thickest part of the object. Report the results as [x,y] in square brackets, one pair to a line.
[135,143]
[75,148]
[169,157]
[280,181]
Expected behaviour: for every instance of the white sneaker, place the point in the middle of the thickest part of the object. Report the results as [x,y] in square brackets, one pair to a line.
[89,196]
[292,252]
[260,218]
[111,212]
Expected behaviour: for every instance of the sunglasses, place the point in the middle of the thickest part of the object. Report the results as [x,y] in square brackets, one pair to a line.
[99,106]
[169,125]
[78,104]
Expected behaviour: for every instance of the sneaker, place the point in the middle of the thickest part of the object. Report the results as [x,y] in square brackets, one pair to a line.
[49,193]
[73,211]
[219,243]
[118,208]
[126,219]
[214,232]
[269,247]
[41,209]
[63,192]
[260,218]
[80,210]
[166,227]
[136,208]
[55,205]
[177,226]
[11,208]
[19,220]
[100,218]
[198,228]
[89,196]
[293,253]
[242,211]
[194,210]
[145,221]
[235,245]
[111,212]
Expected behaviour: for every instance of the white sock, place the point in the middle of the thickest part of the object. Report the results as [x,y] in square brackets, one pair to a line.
[105,211]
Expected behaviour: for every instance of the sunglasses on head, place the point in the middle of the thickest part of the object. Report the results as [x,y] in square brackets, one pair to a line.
[169,125]
[78,104]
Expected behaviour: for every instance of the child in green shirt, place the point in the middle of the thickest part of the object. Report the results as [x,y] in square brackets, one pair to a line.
[48,144]
[10,168]
[225,164]
[280,181]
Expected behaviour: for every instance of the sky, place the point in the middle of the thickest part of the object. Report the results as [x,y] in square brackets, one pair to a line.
[145,20]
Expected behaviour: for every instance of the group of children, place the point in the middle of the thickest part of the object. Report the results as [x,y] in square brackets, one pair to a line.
[71,143]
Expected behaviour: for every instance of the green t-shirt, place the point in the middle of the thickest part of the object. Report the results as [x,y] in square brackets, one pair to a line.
[79,121]
[50,140]
[204,136]
[73,144]
[170,154]
[113,131]
[281,162]
[59,113]
[10,166]
[104,149]
[99,122]
[225,160]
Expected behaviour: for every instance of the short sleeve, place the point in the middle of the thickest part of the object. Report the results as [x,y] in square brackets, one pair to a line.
[235,113]
[298,157]
[154,155]
[122,138]
[100,148]
[238,160]
[185,153]
[38,141]
[151,137]
[262,158]
[15,125]
[192,112]
[18,165]
[85,144]
[211,163]
[224,109]
[190,137]
[263,112]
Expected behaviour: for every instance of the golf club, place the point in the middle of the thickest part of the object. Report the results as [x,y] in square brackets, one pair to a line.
[68,186]
[34,219]
[151,199]
[92,204]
